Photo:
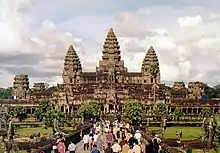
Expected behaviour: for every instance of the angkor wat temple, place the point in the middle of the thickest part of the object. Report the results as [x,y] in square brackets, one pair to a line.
[112,85]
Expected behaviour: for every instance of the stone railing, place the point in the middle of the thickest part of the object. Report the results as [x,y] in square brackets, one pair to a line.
[17,101]
[75,138]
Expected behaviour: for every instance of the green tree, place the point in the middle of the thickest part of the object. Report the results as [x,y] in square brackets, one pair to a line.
[5,93]
[89,111]
[160,110]
[216,134]
[20,113]
[154,70]
[51,116]
[47,113]
[176,114]
[133,112]
[42,109]
[212,92]
[206,112]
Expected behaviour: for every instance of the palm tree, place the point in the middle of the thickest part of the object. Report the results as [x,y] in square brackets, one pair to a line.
[154,70]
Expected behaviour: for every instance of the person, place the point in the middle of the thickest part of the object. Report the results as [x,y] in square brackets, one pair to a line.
[95,137]
[118,132]
[92,142]
[156,146]
[157,138]
[86,142]
[109,149]
[61,146]
[131,141]
[143,146]
[95,150]
[109,137]
[72,147]
[125,147]
[122,143]
[181,134]
[149,147]
[116,147]
[130,150]
[136,148]
[176,133]
[54,148]
[137,136]
[99,143]
[128,136]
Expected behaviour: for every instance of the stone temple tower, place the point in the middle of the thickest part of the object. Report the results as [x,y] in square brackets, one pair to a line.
[150,59]
[111,65]
[72,67]
[20,86]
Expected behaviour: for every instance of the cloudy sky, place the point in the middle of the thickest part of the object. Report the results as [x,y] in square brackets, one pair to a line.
[35,35]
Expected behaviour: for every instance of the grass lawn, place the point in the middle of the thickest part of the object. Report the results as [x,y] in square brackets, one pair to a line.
[26,132]
[189,133]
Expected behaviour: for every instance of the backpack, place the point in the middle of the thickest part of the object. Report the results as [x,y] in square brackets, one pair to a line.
[95,151]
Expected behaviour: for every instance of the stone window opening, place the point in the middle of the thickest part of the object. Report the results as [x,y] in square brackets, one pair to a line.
[151,80]
[145,81]
[71,80]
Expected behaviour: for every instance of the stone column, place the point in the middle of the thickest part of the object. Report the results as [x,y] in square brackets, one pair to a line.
[64,109]
[107,108]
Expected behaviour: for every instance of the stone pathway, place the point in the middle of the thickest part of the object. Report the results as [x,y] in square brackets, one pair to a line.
[79,146]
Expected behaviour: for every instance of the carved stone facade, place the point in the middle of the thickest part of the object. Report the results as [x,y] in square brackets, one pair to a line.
[22,91]
[111,85]
[21,86]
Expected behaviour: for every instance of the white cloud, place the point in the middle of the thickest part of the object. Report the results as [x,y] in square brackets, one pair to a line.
[20,40]
[188,51]
[188,21]
[186,40]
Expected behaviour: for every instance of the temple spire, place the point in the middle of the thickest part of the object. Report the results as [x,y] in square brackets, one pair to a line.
[72,59]
[72,66]
[150,60]
[111,58]
[111,47]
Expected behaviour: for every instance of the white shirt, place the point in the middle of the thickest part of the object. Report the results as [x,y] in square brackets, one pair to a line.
[127,126]
[137,135]
[158,139]
[98,128]
[72,147]
[95,137]
[137,149]
[54,147]
[116,147]
[86,138]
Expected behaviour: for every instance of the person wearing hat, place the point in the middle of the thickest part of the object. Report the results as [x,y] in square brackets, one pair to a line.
[138,136]
[157,138]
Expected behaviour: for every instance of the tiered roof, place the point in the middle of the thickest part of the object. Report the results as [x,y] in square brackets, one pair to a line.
[111,47]
[149,59]
[72,60]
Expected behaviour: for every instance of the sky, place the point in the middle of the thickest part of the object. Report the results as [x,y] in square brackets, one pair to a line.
[35,35]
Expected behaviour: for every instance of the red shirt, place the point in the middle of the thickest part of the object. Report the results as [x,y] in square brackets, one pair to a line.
[61,147]
[109,137]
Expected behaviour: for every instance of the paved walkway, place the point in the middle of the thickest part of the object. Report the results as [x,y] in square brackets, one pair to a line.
[79,146]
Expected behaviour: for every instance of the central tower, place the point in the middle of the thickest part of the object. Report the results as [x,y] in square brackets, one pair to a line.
[111,65]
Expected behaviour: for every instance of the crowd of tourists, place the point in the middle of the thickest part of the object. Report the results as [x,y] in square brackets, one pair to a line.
[60,147]
[119,138]
[111,138]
